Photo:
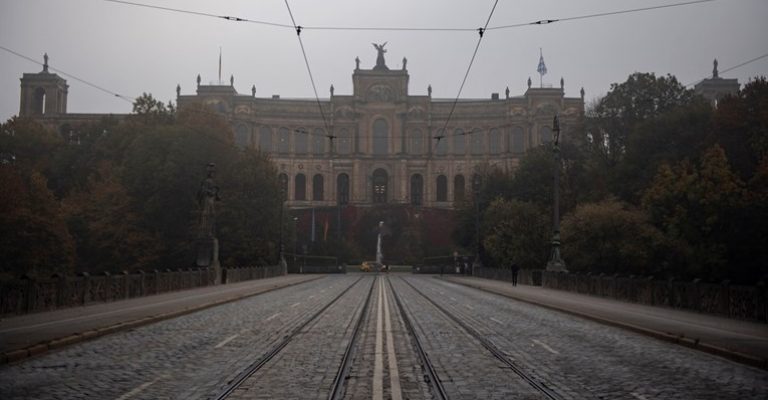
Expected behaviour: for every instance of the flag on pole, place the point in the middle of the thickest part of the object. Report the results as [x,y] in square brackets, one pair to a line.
[542,69]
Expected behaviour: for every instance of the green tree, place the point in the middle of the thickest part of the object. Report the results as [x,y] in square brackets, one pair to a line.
[612,237]
[516,231]
[34,239]
[699,204]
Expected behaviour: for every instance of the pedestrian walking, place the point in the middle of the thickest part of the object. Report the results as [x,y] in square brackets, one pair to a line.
[515,269]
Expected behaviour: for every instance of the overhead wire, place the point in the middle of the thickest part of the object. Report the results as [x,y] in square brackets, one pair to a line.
[732,68]
[481,32]
[91,84]
[545,21]
[298,29]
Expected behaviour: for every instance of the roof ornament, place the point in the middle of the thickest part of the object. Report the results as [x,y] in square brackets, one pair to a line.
[529,82]
[507,92]
[331,90]
[357,63]
[380,64]
[429,90]
[582,94]
[253,91]
[405,62]
[178,90]
[198,80]
[562,83]
[232,80]
[714,70]
[45,62]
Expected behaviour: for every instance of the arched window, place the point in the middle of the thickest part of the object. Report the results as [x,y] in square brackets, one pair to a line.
[317,187]
[476,138]
[518,140]
[242,135]
[300,187]
[283,141]
[38,107]
[301,141]
[344,142]
[458,188]
[494,141]
[545,134]
[416,142]
[380,181]
[282,179]
[265,139]
[442,188]
[342,188]
[459,142]
[318,142]
[417,189]
[380,136]
[441,146]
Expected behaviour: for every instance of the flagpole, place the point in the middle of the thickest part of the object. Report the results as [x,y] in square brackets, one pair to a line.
[219,65]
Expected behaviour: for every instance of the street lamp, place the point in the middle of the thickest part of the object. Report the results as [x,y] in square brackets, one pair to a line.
[556,263]
[476,182]
[295,240]
[283,188]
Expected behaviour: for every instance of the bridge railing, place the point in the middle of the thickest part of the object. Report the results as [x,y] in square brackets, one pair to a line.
[23,296]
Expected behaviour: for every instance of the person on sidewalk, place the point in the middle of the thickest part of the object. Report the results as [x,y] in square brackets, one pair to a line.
[515,269]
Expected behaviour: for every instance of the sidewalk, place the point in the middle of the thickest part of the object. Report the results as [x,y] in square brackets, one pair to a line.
[32,334]
[742,341]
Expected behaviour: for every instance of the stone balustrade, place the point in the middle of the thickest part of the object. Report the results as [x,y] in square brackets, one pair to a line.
[24,296]
[733,301]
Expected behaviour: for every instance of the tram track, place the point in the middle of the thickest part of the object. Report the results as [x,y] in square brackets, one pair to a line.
[336,389]
[493,349]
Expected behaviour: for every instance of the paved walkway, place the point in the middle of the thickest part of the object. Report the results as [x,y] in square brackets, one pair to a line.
[32,334]
[742,341]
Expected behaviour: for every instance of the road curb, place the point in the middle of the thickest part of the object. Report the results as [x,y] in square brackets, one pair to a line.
[692,343]
[59,343]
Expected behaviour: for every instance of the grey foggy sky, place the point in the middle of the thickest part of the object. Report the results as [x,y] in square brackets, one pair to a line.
[130,50]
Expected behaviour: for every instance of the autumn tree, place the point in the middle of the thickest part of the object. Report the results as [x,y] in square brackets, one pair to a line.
[516,231]
[613,237]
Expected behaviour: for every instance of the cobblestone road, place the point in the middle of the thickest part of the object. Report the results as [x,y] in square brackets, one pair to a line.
[195,356]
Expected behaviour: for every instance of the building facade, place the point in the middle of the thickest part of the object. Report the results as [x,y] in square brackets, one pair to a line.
[379,144]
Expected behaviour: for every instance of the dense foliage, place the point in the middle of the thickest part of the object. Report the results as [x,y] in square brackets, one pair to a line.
[654,182]
[114,196]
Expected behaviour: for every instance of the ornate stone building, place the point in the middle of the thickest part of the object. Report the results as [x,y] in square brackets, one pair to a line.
[377,145]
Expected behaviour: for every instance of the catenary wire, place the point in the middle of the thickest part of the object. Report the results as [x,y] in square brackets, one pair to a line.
[309,71]
[93,85]
[202,14]
[732,68]
[481,31]
[411,29]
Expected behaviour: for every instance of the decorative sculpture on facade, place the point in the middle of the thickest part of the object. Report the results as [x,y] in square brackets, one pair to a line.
[380,64]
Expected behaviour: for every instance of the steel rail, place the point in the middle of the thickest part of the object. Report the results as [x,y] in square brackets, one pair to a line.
[431,376]
[258,364]
[540,386]
[338,382]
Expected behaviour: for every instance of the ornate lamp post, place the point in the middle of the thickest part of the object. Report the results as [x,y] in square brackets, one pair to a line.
[556,263]
[476,182]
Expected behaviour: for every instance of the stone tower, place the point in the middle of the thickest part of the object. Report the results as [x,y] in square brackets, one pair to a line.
[43,93]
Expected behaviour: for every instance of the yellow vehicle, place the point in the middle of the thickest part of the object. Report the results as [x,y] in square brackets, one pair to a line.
[368,266]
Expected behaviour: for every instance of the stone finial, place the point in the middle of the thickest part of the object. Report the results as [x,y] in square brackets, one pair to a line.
[198,80]
[506,92]
[232,80]
[178,90]
[253,91]
[529,82]
[405,62]
[582,94]
[429,90]
[357,63]
[562,83]
[331,90]
[45,62]
[714,70]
